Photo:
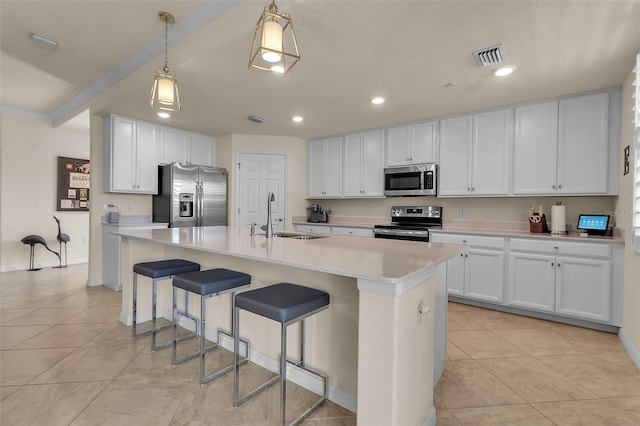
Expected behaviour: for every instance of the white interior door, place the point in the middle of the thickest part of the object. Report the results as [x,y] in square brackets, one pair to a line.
[260,174]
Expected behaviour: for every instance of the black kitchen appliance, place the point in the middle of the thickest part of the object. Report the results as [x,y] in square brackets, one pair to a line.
[411,223]
[316,215]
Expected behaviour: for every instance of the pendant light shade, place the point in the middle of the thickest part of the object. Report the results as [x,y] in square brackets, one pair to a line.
[165,98]
[274,48]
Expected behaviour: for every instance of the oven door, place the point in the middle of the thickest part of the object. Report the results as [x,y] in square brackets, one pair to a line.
[401,234]
[402,181]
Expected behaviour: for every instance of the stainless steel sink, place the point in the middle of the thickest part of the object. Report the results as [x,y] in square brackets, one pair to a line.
[298,236]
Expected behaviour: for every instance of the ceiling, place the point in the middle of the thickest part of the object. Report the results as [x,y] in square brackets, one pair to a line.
[405,51]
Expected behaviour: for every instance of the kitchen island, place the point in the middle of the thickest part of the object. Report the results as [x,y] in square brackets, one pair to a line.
[376,342]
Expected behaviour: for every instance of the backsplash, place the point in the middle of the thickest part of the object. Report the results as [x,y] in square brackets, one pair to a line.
[511,209]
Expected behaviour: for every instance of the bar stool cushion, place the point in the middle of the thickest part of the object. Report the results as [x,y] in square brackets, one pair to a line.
[165,268]
[282,302]
[211,281]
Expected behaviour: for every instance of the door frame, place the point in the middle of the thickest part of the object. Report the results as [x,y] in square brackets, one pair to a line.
[236,166]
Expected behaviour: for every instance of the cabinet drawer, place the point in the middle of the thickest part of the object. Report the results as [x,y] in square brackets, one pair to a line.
[353,232]
[318,229]
[562,247]
[471,240]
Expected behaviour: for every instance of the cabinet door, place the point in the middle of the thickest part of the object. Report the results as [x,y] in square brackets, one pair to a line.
[147,158]
[455,274]
[123,159]
[173,146]
[423,143]
[484,275]
[372,164]
[315,169]
[352,232]
[455,156]
[353,165]
[532,281]
[333,167]
[201,150]
[398,146]
[583,288]
[491,153]
[535,148]
[583,144]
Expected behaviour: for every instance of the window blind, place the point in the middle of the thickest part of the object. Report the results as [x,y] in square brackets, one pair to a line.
[636,159]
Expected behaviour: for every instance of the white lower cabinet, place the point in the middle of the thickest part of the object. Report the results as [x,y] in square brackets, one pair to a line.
[318,229]
[567,278]
[478,274]
[336,230]
[561,277]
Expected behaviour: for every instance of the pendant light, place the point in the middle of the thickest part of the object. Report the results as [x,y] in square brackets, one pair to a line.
[274,48]
[164,98]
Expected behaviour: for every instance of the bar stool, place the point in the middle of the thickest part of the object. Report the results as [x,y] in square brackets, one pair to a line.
[212,282]
[157,270]
[287,304]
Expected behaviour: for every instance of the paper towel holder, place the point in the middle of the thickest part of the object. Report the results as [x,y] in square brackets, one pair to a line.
[558,219]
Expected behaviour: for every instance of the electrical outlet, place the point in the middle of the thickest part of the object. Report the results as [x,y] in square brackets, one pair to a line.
[131,206]
[461,212]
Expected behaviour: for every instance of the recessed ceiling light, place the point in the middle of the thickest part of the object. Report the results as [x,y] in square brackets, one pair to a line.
[501,72]
[164,115]
[297,118]
[377,100]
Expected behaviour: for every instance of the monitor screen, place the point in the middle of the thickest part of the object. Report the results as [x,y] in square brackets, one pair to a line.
[595,222]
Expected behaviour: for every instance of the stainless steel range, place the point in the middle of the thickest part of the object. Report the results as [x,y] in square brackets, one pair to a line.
[410,223]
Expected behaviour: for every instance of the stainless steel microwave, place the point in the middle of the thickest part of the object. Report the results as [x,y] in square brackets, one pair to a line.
[411,181]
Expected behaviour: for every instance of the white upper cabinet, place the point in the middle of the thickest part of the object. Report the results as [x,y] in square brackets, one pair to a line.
[412,144]
[174,146]
[455,156]
[475,154]
[583,144]
[562,147]
[131,156]
[535,148]
[182,146]
[324,168]
[364,164]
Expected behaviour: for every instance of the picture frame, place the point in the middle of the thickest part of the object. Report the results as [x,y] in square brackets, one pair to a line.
[74,184]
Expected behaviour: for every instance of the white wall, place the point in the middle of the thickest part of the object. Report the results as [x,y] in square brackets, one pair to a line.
[29,150]
[631,302]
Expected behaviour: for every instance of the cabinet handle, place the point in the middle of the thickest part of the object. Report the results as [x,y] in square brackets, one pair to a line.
[556,248]
[472,189]
[468,189]
[461,254]
[466,255]
[552,264]
[559,186]
[464,241]
[554,187]
[558,264]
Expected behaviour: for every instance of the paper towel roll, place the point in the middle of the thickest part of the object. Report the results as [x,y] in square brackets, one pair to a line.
[558,219]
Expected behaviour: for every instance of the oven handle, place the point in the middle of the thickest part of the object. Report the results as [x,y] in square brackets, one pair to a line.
[403,232]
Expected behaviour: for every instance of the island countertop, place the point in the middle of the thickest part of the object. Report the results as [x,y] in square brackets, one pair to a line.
[382,260]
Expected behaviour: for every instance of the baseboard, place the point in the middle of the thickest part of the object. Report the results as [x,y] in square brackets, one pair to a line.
[24,267]
[431,418]
[295,375]
[94,283]
[631,349]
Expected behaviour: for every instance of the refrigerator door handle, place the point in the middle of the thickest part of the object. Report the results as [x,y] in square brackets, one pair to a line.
[198,202]
[201,213]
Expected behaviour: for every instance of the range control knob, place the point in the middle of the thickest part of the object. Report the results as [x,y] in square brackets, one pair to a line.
[396,212]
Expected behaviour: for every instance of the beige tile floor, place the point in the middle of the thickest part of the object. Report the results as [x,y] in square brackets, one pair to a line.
[504,369]
[66,360]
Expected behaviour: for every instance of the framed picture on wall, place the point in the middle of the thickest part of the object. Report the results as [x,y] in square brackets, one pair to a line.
[74,184]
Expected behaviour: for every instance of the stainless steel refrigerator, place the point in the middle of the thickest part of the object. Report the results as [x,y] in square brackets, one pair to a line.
[191,195]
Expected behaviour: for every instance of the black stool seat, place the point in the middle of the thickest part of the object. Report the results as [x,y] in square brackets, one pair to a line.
[282,302]
[211,281]
[165,268]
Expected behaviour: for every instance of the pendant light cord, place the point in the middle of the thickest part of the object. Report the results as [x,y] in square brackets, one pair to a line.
[166,44]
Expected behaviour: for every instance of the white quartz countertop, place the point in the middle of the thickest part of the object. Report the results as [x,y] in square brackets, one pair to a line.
[526,234]
[391,261]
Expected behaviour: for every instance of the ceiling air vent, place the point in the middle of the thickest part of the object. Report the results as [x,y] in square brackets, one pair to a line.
[256,119]
[490,56]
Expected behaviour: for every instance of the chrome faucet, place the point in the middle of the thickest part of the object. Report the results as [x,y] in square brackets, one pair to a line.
[269,226]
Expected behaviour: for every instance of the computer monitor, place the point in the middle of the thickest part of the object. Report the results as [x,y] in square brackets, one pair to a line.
[594,224]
